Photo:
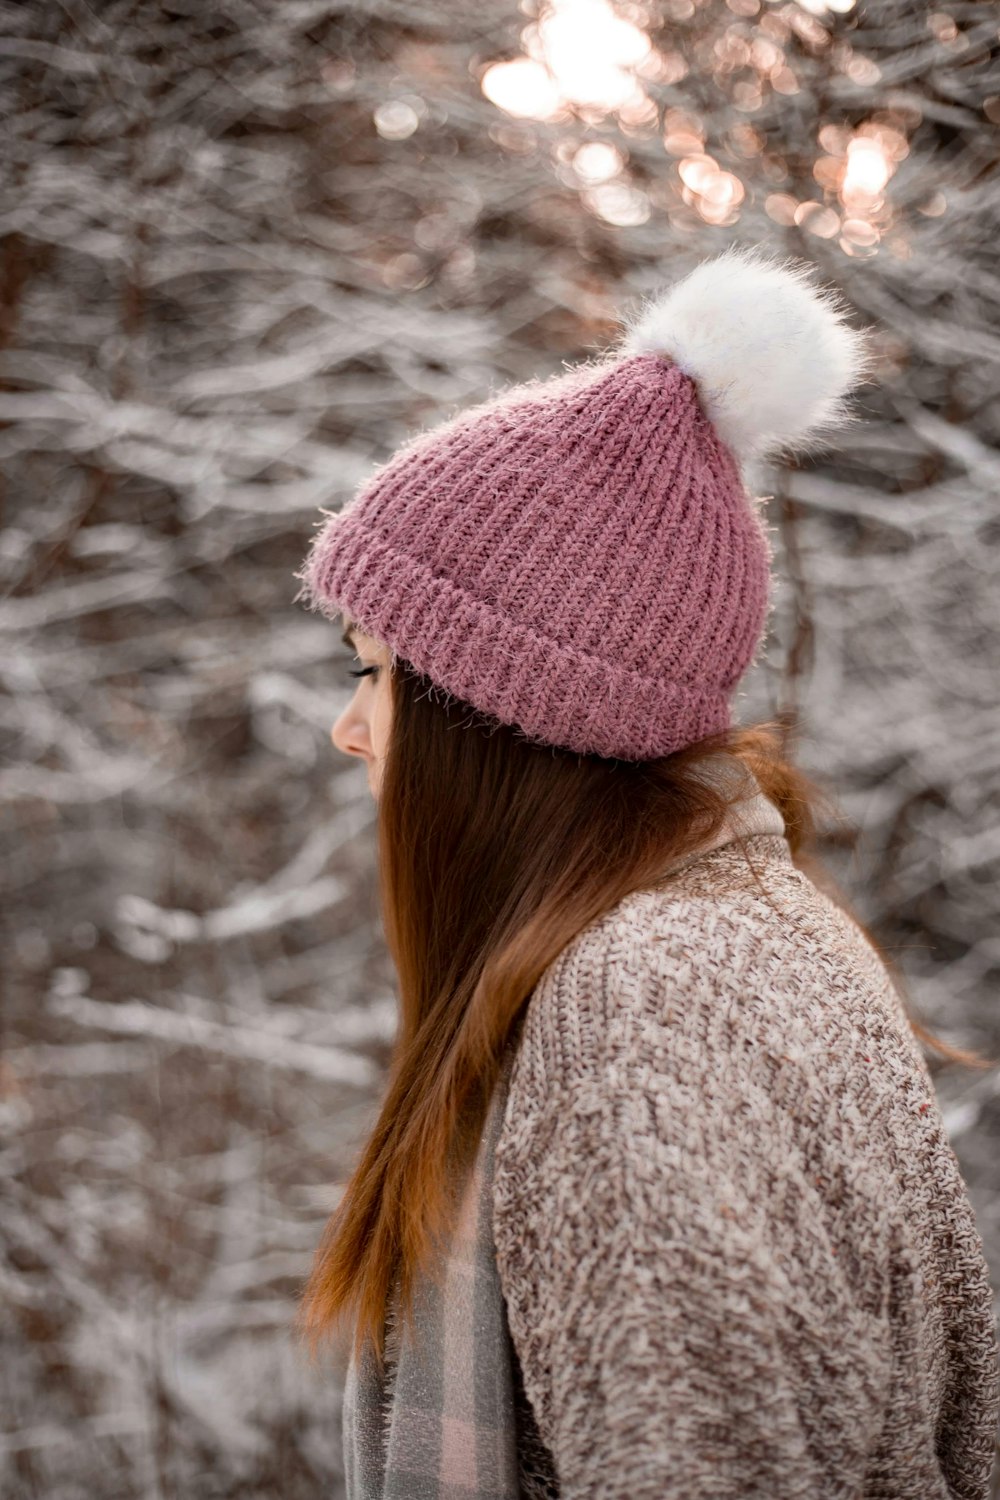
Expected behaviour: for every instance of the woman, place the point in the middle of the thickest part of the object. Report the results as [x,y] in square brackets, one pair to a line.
[659,1202]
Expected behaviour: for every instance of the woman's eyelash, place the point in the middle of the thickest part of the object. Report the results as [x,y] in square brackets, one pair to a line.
[364,672]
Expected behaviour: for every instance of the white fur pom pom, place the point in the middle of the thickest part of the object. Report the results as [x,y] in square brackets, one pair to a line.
[772,355]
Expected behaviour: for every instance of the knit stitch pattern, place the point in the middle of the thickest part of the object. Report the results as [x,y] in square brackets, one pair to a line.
[738,1257]
[578,558]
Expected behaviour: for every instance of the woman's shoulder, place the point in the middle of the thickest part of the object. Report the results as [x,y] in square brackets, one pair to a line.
[738,953]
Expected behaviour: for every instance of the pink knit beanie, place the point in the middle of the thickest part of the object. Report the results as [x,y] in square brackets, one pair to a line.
[579,557]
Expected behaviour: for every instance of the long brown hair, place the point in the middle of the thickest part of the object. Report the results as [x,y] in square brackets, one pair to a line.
[494,853]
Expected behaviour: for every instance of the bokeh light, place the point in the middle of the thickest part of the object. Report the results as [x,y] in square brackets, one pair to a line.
[579,53]
[524,88]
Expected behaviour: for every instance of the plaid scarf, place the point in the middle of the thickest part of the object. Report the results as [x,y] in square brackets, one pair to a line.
[441,1423]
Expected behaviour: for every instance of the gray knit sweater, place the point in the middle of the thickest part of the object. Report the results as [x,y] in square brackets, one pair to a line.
[736,1252]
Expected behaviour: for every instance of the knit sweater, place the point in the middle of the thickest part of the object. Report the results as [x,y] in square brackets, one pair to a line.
[736,1252]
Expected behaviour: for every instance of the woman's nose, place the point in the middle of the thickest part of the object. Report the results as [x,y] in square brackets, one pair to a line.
[350,735]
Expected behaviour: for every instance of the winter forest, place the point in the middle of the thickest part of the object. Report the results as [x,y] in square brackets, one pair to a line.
[249,248]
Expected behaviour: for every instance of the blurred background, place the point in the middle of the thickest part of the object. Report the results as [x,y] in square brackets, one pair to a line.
[249,247]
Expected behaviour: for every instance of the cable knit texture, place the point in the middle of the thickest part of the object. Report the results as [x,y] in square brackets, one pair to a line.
[735,1247]
[578,558]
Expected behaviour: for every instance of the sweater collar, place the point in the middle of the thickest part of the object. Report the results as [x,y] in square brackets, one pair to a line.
[753,814]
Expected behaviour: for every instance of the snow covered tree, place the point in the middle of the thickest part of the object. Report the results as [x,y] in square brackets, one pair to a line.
[248,248]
